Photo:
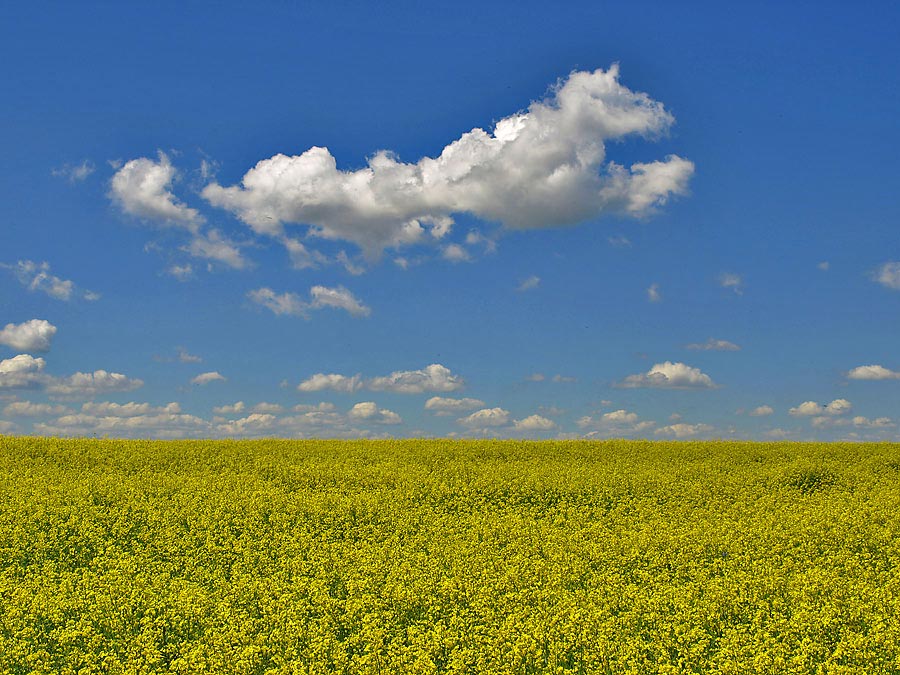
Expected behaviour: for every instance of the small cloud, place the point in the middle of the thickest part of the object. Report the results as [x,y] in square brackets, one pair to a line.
[714,345]
[761,411]
[290,304]
[442,406]
[333,381]
[669,375]
[370,412]
[619,241]
[75,173]
[888,275]
[682,430]
[486,417]
[733,281]
[455,253]
[233,409]
[534,423]
[873,372]
[824,266]
[653,294]
[528,284]
[37,277]
[838,406]
[535,377]
[564,379]
[181,272]
[206,378]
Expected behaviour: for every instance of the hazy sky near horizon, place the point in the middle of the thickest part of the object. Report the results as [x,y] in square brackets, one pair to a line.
[541,221]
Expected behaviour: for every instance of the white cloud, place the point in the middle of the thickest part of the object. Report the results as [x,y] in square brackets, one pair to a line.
[653,294]
[486,417]
[141,188]
[290,304]
[435,378]
[873,372]
[6,427]
[858,422]
[534,423]
[206,378]
[761,411]
[181,272]
[318,407]
[619,241]
[21,371]
[733,281]
[163,425]
[543,167]
[370,412]
[132,409]
[713,345]
[888,275]
[91,384]
[455,253]
[267,408]
[683,430]
[233,409]
[254,424]
[30,336]
[75,173]
[449,406]
[838,406]
[29,409]
[615,423]
[564,379]
[536,377]
[333,381]
[527,284]
[823,266]
[669,375]
[213,245]
[36,277]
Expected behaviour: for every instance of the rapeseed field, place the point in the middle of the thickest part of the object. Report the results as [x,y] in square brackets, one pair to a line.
[448,557]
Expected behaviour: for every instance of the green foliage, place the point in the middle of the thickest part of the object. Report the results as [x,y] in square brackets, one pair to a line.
[448,557]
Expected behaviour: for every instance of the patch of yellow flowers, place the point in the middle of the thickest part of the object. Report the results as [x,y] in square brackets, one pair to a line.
[448,557]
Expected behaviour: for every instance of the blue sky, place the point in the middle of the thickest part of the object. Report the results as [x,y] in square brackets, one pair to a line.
[629,219]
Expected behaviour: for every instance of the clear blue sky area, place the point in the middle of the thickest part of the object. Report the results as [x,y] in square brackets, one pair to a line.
[541,220]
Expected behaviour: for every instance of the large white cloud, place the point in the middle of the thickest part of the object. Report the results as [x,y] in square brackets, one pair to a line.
[669,375]
[546,166]
[291,304]
[21,371]
[873,372]
[30,336]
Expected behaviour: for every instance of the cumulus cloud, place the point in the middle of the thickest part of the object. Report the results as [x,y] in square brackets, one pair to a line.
[455,253]
[180,272]
[683,430]
[333,381]
[206,378]
[873,372]
[528,284]
[534,423]
[733,281]
[761,411]
[267,408]
[443,406]
[857,421]
[544,167]
[435,378]
[839,406]
[30,336]
[486,417]
[254,424]
[669,375]
[291,304]
[162,425]
[29,409]
[90,384]
[142,188]
[21,371]
[233,409]
[615,423]
[370,412]
[132,409]
[888,275]
[37,277]
[713,345]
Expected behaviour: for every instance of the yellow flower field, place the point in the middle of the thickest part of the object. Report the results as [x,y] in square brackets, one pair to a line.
[448,557]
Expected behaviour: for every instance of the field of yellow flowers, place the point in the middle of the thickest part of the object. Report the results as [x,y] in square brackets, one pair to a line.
[448,557]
